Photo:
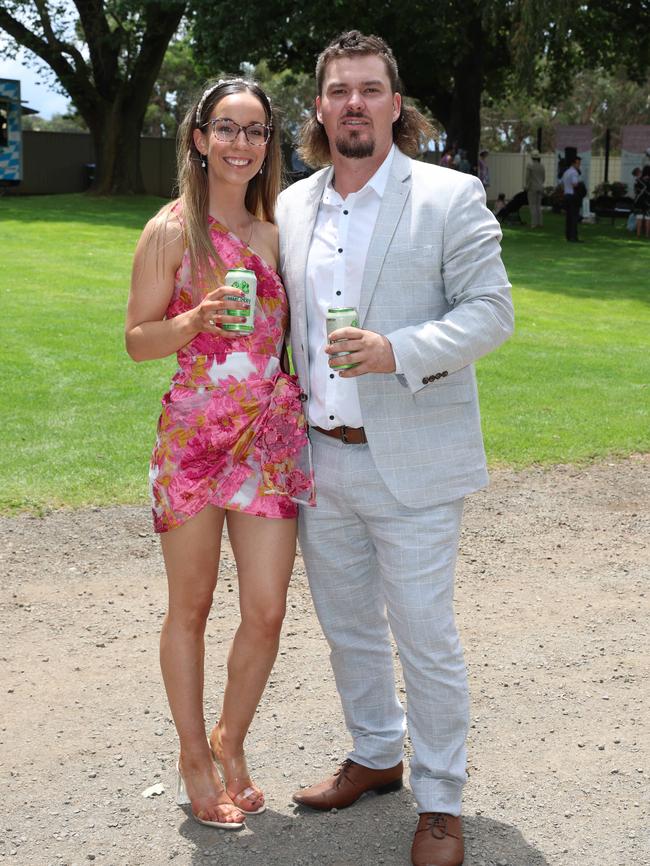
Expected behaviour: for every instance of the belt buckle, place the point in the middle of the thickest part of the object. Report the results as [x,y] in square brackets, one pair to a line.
[344,434]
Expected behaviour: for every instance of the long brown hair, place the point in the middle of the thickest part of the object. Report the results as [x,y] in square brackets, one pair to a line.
[261,193]
[411,129]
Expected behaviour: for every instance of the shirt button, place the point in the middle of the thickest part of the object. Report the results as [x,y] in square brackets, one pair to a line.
[346,212]
[338,293]
[331,417]
[340,249]
[331,375]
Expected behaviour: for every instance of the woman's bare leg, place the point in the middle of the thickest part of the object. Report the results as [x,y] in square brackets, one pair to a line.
[191,555]
[264,551]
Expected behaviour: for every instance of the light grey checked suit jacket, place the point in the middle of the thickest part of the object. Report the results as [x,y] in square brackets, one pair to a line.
[435,285]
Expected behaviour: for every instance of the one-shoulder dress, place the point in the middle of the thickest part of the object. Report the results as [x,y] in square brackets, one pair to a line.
[232,431]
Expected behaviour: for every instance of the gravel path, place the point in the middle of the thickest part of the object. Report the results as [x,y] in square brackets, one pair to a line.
[552,602]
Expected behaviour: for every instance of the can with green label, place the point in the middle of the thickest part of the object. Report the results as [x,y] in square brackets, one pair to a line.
[342,317]
[246,281]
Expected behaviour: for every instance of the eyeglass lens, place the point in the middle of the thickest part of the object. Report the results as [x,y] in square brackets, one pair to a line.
[225,129]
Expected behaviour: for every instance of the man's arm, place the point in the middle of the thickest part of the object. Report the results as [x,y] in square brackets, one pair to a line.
[477,290]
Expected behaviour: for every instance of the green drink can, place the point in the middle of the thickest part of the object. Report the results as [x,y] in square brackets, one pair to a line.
[246,281]
[342,317]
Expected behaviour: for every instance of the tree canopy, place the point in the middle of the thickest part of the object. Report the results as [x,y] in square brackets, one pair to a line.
[451,53]
[454,56]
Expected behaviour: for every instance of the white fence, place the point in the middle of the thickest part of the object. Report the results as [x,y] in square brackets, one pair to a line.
[508,170]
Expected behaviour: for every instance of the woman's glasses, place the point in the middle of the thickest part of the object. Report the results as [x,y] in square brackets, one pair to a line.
[227,130]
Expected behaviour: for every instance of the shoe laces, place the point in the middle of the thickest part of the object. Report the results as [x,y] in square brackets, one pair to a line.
[343,770]
[437,825]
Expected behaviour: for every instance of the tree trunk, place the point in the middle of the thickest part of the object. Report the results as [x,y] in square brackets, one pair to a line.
[463,125]
[116,139]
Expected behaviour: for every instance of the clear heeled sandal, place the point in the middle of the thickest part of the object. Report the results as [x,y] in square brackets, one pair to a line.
[234,770]
[182,799]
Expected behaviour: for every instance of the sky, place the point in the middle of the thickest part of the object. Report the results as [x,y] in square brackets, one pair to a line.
[36,90]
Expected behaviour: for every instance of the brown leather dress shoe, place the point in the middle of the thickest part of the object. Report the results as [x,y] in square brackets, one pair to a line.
[438,841]
[348,783]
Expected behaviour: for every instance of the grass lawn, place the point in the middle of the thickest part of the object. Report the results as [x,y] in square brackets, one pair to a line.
[79,416]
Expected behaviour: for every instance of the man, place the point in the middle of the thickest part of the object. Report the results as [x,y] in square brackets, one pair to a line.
[534,186]
[570,181]
[396,439]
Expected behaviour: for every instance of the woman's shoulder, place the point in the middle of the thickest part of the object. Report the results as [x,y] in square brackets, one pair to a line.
[163,236]
[167,225]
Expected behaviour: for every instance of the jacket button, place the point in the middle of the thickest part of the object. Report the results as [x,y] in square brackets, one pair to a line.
[425,381]
[438,375]
[303,397]
[445,373]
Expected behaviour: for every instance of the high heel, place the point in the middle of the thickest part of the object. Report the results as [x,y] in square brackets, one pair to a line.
[181,792]
[182,799]
[234,770]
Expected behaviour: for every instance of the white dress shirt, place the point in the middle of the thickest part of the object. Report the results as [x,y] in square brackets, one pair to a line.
[570,179]
[335,266]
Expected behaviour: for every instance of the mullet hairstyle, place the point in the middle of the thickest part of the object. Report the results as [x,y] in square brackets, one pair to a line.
[410,130]
[206,267]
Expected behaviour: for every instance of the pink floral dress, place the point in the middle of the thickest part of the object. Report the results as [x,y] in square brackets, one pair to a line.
[232,432]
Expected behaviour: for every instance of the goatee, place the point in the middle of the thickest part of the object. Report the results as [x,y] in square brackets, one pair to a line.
[354,147]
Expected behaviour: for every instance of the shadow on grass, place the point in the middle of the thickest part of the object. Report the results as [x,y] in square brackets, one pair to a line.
[610,264]
[123,211]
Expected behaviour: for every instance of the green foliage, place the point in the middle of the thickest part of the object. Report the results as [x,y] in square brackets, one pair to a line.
[445,54]
[612,190]
[69,122]
[79,416]
[174,90]
[524,56]
[607,100]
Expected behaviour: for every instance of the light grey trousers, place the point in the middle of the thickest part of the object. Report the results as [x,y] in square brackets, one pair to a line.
[535,207]
[375,566]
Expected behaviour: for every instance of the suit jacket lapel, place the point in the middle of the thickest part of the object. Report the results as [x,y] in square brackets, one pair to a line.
[392,204]
[303,228]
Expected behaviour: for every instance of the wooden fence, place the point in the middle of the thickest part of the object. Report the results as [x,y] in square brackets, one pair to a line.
[60,162]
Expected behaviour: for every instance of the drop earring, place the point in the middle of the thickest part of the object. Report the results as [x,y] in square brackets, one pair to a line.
[204,162]
[261,171]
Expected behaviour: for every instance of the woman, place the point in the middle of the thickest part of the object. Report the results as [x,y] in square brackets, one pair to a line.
[231,437]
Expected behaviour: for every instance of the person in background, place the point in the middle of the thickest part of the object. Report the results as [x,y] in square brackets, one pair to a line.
[447,158]
[484,168]
[641,206]
[571,178]
[464,164]
[534,186]
[499,204]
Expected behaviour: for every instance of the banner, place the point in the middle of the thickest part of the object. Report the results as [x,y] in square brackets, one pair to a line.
[578,137]
[11,156]
[635,143]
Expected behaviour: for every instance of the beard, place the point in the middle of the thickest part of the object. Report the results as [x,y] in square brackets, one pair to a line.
[353,147]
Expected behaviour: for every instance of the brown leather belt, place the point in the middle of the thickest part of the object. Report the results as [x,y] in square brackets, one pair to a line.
[349,435]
